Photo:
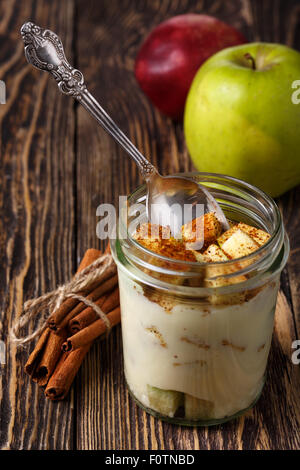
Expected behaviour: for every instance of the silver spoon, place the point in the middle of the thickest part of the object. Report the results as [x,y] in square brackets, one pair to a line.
[167,196]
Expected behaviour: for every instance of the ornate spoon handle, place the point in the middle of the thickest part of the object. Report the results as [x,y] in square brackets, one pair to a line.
[44,50]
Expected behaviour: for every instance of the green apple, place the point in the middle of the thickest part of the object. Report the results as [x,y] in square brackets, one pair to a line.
[240,119]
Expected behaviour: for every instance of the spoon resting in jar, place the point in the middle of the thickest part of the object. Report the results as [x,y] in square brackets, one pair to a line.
[171,200]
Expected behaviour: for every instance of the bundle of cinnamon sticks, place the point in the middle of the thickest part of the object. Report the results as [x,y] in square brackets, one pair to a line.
[71,331]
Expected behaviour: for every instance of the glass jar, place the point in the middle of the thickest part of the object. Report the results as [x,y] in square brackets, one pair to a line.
[196,336]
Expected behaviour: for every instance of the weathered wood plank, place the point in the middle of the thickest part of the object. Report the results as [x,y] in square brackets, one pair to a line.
[107,416]
[36,225]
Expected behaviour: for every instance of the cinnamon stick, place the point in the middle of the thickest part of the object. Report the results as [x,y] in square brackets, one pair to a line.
[91,332]
[37,352]
[49,358]
[63,376]
[97,293]
[70,361]
[47,351]
[107,303]
[90,256]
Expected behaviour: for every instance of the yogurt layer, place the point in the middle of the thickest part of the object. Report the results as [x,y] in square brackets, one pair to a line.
[216,353]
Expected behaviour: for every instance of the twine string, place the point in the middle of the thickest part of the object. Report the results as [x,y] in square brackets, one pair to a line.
[48,303]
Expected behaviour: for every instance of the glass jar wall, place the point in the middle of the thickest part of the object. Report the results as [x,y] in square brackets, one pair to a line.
[196,337]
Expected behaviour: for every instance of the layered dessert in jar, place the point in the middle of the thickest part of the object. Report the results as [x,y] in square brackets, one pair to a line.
[198,310]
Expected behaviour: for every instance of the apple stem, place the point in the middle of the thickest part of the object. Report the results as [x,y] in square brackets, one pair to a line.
[248,56]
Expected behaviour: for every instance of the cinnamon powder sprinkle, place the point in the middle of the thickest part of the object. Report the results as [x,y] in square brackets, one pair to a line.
[158,335]
[200,362]
[199,344]
[206,312]
[233,346]
[157,238]
[205,230]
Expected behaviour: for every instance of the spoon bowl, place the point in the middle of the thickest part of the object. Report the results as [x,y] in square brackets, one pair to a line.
[176,200]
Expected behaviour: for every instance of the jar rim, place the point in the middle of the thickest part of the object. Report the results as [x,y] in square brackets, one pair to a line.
[249,263]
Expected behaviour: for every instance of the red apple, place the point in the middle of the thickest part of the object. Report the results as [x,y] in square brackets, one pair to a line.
[173,52]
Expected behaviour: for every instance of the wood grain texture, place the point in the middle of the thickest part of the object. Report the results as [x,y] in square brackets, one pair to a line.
[57,166]
[37,215]
[104,171]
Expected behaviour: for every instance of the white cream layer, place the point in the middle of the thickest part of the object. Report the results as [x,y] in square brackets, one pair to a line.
[218,355]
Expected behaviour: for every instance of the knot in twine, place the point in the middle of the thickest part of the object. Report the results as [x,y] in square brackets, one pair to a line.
[48,303]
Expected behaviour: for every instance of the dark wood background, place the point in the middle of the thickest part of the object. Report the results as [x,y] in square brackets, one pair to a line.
[57,166]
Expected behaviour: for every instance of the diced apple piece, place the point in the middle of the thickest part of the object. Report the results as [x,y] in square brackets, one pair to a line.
[199,256]
[158,239]
[196,408]
[232,298]
[165,402]
[234,243]
[239,244]
[214,253]
[202,231]
[222,239]
[258,235]
[152,232]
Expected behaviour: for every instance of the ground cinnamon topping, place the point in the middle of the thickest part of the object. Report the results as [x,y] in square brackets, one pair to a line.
[204,230]
[198,362]
[157,238]
[233,346]
[158,335]
[195,342]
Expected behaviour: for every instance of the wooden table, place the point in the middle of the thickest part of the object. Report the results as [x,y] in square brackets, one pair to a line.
[57,166]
